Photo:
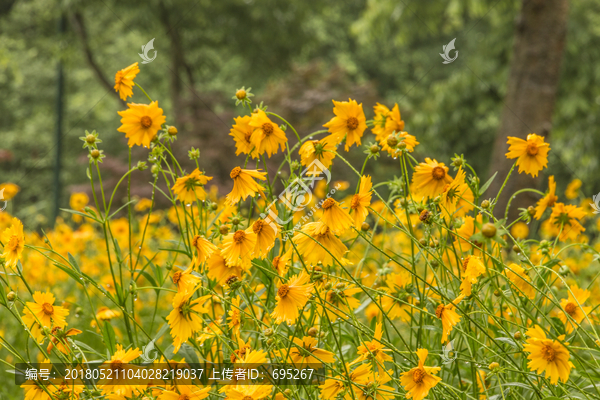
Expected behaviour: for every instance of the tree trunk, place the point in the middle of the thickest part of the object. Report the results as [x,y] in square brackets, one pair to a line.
[532,85]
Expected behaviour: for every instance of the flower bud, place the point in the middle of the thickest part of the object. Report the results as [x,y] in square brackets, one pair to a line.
[172,131]
[488,230]
[11,296]
[374,149]
[531,210]
[518,335]
[485,204]
[313,332]
[493,366]
[240,94]
[516,249]
[392,141]
[268,332]
[95,154]
[365,227]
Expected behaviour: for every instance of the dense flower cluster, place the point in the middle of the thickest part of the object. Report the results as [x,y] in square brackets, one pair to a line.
[375,286]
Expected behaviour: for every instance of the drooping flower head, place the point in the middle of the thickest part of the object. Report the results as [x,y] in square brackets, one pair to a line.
[447,313]
[335,217]
[306,353]
[186,317]
[349,122]
[239,246]
[124,81]
[141,122]
[242,132]
[531,154]
[361,201]
[548,200]
[322,150]
[267,136]
[291,297]
[373,349]
[518,277]
[317,243]
[190,188]
[244,184]
[204,249]
[14,243]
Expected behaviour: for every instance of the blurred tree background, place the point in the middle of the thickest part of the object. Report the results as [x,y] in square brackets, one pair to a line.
[297,56]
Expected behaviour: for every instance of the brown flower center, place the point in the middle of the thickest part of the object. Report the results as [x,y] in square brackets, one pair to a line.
[247,398]
[552,200]
[239,236]
[13,243]
[235,172]
[355,202]
[439,311]
[352,123]
[465,263]
[184,397]
[116,364]
[548,353]
[328,203]
[258,226]
[195,241]
[283,291]
[267,128]
[438,173]
[177,277]
[418,375]
[570,308]
[48,309]
[532,149]
[146,121]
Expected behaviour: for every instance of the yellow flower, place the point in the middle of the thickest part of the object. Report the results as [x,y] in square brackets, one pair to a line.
[381,116]
[117,383]
[280,263]
[185,280]
[466,230]
[204,249]
[572,190]
[335,217]
[472,269]
[8,190]
[548,200]
[307,354]
[59,339]
[449,317]
[322,150]
[265,237]
[241,132]
[244,185]
[291,297]
[14,243]
[430,178]
[78,201]
[375,387]
[332,387]
[566,218]
[573,307]
[43,311]
[339,301]
[361,201]
[239,246]
[518,276]
[267,136]
[190,188]
[520,230]
[249,392]
[482,384]
[421,379]
[452,193]
[394,123]
[143,205]
[316,243]
[547,355]
[141,122]
[106,314]
[185,392]
[391,143]
[373,349]
[124,81]
[349,122]
[219,270]
[235,320]
[531,154]
[185,319]
[394,304]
